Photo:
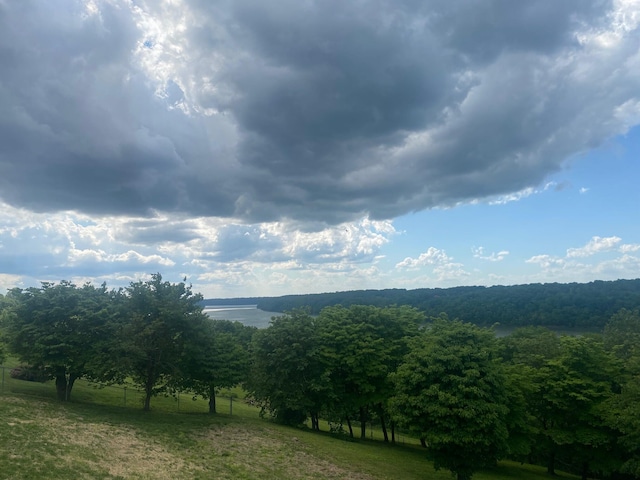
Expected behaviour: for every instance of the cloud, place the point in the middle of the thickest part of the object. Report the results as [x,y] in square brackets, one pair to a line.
[602,258]
[547,262]
[432,256]
[315,112]
[440,266]
[73,246]
[630,248]
[595,245]
[493,257]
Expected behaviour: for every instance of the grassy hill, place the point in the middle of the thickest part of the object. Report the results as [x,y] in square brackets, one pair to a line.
[92,437]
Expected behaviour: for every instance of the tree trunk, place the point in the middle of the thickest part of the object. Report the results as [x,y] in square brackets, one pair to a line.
[148,385]
[423,442]
[350,427]
[551,463]
[315,421]
[67,392]
[585,470]
[363,424]
[393,431]
[61,385]
[383,425]
[212,398]
[147,400]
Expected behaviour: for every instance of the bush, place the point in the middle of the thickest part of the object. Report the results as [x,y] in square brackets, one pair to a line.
[28,373]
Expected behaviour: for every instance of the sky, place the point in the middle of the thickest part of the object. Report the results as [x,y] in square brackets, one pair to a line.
[304,146]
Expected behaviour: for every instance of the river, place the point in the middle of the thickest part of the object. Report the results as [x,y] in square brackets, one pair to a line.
[246,314]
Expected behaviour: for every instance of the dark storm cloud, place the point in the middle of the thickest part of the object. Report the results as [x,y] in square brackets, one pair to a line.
[312,111]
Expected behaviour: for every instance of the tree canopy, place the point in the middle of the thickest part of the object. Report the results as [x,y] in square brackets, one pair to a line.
[450,391]
[55,328]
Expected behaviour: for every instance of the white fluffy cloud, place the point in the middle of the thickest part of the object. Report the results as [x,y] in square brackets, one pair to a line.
[602,258]
[478,252]
[119,250]
[435,265]
[596,245]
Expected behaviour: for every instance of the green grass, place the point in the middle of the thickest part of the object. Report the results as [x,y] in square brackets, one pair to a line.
[96,436]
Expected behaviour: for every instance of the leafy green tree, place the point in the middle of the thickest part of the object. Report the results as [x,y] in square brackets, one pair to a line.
[286,372]
[360,346]
[218,358]
[4,311]
[622,337]
[55,328]
[531,346]
[161,319]
[569,390]
[524,351]
[622,412]
[450,391]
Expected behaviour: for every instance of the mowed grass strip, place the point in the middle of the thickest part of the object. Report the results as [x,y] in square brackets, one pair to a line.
[41,438]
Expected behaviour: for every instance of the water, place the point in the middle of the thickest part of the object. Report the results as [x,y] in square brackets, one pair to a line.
[248,315]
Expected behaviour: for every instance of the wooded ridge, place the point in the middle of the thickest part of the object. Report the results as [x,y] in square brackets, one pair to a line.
[573,305]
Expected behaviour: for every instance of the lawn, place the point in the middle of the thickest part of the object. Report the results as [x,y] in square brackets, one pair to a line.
[97,436]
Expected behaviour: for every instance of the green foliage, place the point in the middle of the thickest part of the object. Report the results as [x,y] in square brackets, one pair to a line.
[218,357]
[622,337]
[360,346]
[572,305]
[160,320]
[622,413]
[286,373]
[55,328]
[568,392]
[29,374]
[450,391]
[531,346]
[4,310]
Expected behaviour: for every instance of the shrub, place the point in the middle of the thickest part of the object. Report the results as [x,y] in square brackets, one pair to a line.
[30,374]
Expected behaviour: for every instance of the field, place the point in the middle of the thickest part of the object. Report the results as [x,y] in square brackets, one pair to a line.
[96,436]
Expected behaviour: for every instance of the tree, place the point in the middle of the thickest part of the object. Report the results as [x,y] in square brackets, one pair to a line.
[622,337]
[161,319]
[218,358]
[531,346]
[622,412]
[450,391]
[360,346]
[286,372]
[55,327]
[4,312]
[568,392]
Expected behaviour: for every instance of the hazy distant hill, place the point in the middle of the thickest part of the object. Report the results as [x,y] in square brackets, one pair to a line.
[552,304]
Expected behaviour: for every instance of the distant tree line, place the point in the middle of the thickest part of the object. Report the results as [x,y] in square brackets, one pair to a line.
[572,305]
[566,402]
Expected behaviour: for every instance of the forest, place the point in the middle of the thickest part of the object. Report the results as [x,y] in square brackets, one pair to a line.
[570,403]
[572,305]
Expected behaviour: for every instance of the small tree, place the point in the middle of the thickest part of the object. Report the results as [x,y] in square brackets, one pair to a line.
[286,372]
[360,346]
[218,358]
[55,328]
[161,318]
[450,391]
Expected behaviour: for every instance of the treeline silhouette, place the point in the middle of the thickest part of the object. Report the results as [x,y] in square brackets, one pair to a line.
[571,305]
